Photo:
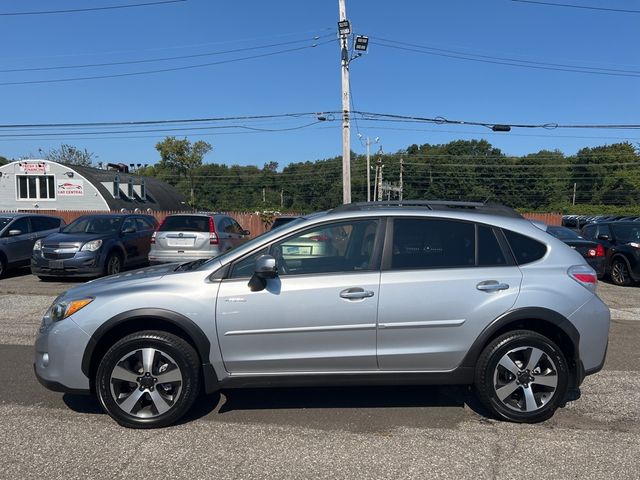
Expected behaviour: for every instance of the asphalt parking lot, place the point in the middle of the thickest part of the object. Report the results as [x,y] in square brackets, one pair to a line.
[395,432]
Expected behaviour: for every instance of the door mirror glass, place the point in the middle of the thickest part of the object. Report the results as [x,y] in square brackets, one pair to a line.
[246,232]
[603,236]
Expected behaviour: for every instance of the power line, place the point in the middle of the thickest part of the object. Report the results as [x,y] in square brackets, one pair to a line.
[584,7]
[161,59]
[91,9]
[502,60]
[164,70]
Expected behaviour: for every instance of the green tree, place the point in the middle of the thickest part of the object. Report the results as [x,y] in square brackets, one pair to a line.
[70,155]
[3,160]
[184,158]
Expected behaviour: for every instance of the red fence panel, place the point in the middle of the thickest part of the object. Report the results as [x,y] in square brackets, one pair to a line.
[548,218]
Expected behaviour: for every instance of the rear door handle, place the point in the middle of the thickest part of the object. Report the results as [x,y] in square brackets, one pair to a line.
[355,293]
[492,286]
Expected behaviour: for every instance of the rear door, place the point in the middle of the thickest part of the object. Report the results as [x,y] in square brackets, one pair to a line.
[183,233]
[442,282]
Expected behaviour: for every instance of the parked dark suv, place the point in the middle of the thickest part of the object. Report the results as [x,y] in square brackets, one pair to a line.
[18,233]
[621,242]
[94,245]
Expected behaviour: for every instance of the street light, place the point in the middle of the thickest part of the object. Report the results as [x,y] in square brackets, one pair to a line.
[362,43]
[344,27]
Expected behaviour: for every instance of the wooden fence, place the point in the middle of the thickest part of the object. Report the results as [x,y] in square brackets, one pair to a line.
[257,223]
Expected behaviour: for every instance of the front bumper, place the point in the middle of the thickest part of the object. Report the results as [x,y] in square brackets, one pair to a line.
[58,357]
[83,264]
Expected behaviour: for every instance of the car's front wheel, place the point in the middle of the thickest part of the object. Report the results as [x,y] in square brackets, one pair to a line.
[113,264]
[522,376]
[148,379]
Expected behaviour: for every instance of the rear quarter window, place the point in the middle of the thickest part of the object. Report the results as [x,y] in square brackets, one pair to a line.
[525,249]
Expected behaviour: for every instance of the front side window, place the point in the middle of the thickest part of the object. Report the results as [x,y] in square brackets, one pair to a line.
[431,243]
[21,224]
[34,187]
[40,224]
[627,233]
[100,224]
[332,248]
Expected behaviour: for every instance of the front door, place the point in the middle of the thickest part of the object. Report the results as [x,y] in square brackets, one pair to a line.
[318,315]
[19,247]
[442,283]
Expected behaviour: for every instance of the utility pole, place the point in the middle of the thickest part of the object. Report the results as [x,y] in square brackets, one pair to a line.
[281,198]
[264,198]
[379,186]
[574,193]
[368,146]
[344,30]
[400,186]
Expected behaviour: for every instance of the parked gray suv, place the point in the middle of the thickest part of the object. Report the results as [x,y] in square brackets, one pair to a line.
[417,293]
[195,236]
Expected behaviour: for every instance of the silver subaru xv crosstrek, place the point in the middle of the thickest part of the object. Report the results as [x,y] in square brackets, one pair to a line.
[382,293]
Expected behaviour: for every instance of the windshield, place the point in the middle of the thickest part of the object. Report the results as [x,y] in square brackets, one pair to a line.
[563,233]
[101,224]
[626,233]
[4,221]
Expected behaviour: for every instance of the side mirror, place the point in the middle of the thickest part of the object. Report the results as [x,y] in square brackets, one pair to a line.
[129,230]
[246,232]
[604,237]
[265,269]
[13,233]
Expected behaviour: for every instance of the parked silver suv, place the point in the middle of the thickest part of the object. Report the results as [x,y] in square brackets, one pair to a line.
[187,237]
[418,293]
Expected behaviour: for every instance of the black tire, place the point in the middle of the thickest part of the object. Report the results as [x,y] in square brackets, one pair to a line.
[3,266]
[620,274]
[113,264]
[529,401]
[145,393]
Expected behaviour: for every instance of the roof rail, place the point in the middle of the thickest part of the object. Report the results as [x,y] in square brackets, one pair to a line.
[476,207]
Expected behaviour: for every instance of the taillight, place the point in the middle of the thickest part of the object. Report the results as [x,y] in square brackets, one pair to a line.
[213,237]
[153,237]
[584,275]
[596,252]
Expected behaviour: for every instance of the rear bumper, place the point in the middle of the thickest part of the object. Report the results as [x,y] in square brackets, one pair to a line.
[158,256]
[592,322]
[599,265]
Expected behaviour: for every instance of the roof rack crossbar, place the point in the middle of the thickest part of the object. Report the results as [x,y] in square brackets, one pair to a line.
[478,207]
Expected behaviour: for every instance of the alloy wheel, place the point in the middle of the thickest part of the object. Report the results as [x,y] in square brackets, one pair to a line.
[113,267]
[146,383]
[619,273]
[525,379]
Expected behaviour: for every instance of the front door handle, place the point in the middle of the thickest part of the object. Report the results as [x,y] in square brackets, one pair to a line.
[355,293]
[491,286]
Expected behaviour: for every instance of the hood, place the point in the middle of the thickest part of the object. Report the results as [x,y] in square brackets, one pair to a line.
[123,281]
[58,238]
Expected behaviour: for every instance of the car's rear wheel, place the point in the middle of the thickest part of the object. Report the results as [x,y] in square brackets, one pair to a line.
[620,273]
[113,264]
[522,376]
[3,266]
[148,379]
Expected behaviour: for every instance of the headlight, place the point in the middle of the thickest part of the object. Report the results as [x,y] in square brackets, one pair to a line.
[634,244]
[91,246]
[37,246]
[61,310]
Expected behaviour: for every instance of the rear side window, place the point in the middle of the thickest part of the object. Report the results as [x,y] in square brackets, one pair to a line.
[185,223]
[40,224]
[421,243]
[525,249]
[489,252]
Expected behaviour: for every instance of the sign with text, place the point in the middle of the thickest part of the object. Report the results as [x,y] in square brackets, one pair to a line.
[70,188]
[33,167]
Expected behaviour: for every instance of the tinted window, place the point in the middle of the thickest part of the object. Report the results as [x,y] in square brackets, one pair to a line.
[489,252]
[589,232]
[421,243]
[130,224]
[525,249]
[185,223]
[604,230]
[144,224]
[338,247]
[224,225]
[236,227]
[40,224]
[627,233]
[280,221]
[21,224]
[4,221]
[99,224]
[563,233]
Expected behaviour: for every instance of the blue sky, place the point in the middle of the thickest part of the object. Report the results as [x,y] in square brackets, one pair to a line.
[385,80]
